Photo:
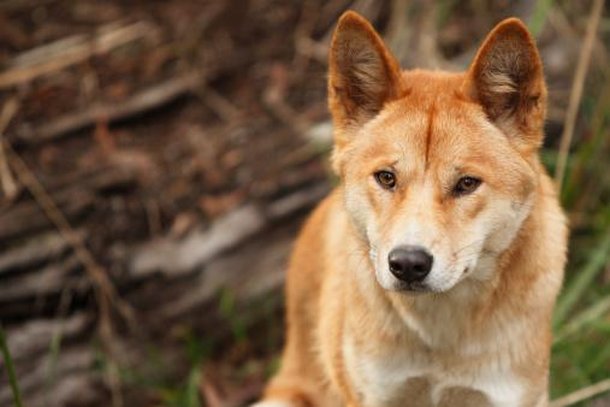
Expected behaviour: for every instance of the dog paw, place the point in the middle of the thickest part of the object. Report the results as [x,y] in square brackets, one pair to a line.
[271,403]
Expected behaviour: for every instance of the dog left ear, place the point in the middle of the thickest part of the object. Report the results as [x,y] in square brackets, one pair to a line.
[506,78]
[363,74]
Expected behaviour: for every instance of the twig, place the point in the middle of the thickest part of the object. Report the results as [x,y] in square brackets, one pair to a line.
[145,100]
[224,108]
[9,187]
[274,99]
[582,394]
[69,51]
[105,291]
[209,393]
[577,88]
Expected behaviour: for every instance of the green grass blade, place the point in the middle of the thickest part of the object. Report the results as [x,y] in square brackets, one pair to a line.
[10,369]
[584,318]
[574,292]
[536,22]
[192,388]
[599,362]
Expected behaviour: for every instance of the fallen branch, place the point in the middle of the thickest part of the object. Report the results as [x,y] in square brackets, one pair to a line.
[33,337]
[21,219]
[9,187]
[43,283]
[37,250]
[172,257]
[142,101]
[105,291]
[77,359]
[69,51]
[582,394]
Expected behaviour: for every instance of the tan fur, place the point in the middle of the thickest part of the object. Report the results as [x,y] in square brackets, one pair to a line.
[480,335]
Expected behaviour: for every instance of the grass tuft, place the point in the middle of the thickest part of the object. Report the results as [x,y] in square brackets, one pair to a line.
[10,369]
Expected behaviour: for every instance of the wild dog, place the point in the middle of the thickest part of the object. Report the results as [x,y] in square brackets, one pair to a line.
[429,275]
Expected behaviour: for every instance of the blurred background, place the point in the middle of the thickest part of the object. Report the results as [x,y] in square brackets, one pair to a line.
[158,157]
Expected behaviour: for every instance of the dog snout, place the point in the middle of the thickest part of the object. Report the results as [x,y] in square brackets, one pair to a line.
[410,263]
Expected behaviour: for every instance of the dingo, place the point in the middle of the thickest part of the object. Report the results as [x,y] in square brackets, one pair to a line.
[428,277]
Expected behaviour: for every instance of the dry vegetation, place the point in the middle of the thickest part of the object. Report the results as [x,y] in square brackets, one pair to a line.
[157,157]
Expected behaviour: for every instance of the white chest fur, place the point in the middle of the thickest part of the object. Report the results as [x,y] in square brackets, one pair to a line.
[400,378]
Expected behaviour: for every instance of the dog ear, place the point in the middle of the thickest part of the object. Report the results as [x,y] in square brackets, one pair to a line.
[506,78]
[363,74]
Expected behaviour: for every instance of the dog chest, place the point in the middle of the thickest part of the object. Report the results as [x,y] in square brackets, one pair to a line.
[399,378]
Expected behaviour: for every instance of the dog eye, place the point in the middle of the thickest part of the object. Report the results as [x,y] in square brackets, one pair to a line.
[466,185]
[386,179]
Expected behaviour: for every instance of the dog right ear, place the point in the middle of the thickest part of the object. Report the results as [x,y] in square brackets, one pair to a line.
[363,74]
[506,78]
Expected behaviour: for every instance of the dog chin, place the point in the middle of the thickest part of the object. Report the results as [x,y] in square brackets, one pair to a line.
[408,288]
[414,289]
[425,287]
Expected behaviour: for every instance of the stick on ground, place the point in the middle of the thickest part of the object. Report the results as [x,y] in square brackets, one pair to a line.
[142,101]
[582,394]
[7,182]
[106,293]
[69,51]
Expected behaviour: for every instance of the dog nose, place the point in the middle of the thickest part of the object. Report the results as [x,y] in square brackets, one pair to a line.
[410,263]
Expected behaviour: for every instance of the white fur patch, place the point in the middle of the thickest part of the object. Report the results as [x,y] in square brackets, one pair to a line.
[272,403]
[503,389]
[500,82]
[380,379]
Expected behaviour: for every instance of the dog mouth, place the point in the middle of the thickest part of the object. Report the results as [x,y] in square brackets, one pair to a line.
[413,288]
[427,287]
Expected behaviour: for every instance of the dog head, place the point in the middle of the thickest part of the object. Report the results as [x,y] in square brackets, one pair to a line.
[438,170]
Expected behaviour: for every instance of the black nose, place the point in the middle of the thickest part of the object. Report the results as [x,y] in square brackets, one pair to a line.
[410,263]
